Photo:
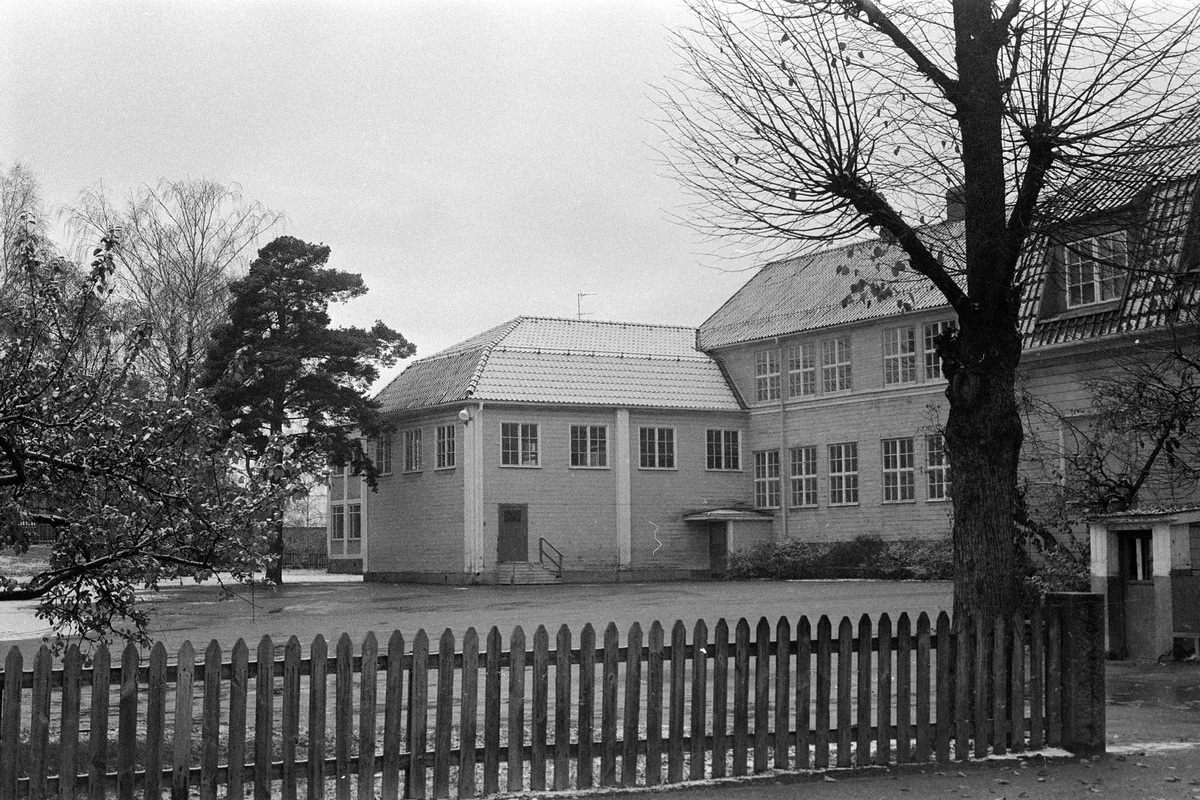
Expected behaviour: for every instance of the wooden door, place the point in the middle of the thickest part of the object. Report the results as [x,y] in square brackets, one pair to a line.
[513,536]
[718,548]
[1136,567]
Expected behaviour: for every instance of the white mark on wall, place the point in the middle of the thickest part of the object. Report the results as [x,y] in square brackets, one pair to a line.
[660,544]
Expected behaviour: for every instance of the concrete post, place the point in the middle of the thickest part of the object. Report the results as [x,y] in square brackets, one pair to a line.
[1083,654]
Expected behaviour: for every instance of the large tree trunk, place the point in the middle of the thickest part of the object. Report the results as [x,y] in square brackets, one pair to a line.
[275,565]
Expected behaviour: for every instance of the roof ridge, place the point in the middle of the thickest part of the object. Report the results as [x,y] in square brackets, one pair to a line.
[507,328]
[535,318]
[697,355]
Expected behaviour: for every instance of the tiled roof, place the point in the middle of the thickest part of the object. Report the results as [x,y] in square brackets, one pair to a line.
[540,360]
[816,290]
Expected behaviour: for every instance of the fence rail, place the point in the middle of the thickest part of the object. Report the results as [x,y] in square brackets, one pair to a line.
[661,706]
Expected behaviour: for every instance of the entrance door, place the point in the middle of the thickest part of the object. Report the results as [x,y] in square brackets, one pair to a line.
[1137,591]
[513,537]
[718,548]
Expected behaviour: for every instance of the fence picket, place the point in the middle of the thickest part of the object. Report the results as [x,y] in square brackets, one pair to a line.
[491,714]
[562,709]
[824,691]
[633,703]
[945,657]
[962,687]
[654,705]
[68,733]
[1017,700]
[608,709]
[924,746]
[883,728]
[678,693]
[762,693]
[291,715]
[368,689]
[393,717]
[516,710]
[587,706]
[264,717]
[863,740]
[845,729]
[10,722]
[1000,690]
[418,705]
[904,693]
[443,716]
[699,699]
[720,697]
[39,722]
[1037,680]
[982,678]
[210,725]
[98,732]
[181,758]
[343,715]
[238,690]
[467,714]
[1054,678]
[317,688]
[541,710]
[783,692]
[741,696]
[803,692]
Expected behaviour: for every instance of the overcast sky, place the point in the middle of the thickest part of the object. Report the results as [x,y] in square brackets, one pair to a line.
[474,160]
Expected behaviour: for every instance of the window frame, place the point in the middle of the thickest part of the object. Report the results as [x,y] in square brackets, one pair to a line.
[587,451]
[837,365]
[1083,271]
[446,447]
[523,454]
[937,475]
[802,370]
[898,463]
[843,481]
[412,451]
[383,454]
[767,486]
[718,459]
[766,375]
[803,485]
[656,453]
[930,331]
[900,355]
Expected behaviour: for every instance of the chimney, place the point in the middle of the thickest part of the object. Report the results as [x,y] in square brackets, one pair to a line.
[956,209]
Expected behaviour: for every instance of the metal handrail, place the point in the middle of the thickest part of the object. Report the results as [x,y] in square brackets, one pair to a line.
[556,557]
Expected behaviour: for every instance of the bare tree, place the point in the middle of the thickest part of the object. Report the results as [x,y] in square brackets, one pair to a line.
[818,120]
[180,245]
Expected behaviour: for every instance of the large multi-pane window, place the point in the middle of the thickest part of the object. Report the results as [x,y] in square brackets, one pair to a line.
[589,446]
[383,454]
[766,375]
[345,513]
[723,450]
[899,355]
[843,474]
[835,365]
[937,468]
[933,364]
[445,446]
[766,479]
[802,370]
[657,448]
[1095,268]
[804,477]
[412,450]
[898,470]
[519,444]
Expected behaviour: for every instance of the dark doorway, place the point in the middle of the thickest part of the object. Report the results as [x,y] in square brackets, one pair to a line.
[513,544]
[718,548]
[1136,569]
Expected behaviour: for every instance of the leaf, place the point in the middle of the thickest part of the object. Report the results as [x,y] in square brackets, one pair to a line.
[785,37]
[791,194]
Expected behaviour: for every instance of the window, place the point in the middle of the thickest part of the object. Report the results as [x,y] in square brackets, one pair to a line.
[412,451]
[843,474]
[383,454]
[802,370]
[1095,269]
[933,364]
[445,447]
[589,446]
[518,444]
[766,479]
[723,451]
[657,448]
[937,468]
[899,355]
[353,521]
[835,365]
[766,375]
[804,477]
[898,471]
[337,522]
[345,513]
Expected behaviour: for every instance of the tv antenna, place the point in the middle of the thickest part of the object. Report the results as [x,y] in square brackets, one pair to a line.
[579,312]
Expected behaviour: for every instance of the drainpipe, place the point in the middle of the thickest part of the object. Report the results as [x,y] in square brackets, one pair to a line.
[784,486]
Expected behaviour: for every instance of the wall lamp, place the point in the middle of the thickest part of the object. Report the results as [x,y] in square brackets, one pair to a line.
[465,416]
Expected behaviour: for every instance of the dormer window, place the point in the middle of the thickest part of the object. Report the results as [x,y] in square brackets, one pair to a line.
[1095,269]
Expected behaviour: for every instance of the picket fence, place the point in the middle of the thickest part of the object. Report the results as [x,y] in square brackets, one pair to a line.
[410,722]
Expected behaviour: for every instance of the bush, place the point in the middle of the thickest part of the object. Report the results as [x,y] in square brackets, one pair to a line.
[866,556]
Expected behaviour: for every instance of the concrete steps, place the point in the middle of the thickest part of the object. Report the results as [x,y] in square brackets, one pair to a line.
[521,573]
